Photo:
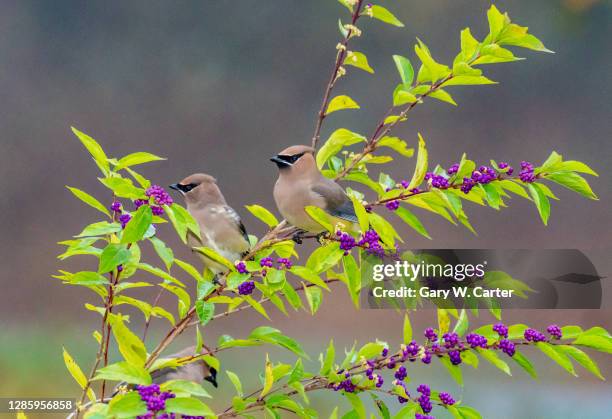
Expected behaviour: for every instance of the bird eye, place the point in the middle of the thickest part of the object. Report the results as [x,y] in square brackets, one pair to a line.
[188,187]
[295,157]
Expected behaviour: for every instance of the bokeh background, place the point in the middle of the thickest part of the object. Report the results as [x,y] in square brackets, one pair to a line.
[220,86]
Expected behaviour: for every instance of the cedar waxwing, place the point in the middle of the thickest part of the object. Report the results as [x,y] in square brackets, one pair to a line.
[196,371]
[220,226]
[301,184]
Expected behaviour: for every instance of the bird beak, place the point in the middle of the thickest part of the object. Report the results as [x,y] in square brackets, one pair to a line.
[280,162]
[175,186]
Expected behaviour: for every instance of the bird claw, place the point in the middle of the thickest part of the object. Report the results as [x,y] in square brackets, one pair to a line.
[297,237]
[321,236]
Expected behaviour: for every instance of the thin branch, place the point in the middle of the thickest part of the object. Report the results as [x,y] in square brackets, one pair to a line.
[340,56]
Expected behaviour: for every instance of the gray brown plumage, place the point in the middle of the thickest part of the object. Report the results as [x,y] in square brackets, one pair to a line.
[220,226]
[301,184]
[196,371]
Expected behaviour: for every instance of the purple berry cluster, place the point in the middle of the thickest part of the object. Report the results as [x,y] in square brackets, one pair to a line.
[392,205]
[424,399]
[347,242]
[453,169]
[430,334]
[241,267]
[160,197]
[555,331]
[446,399]
[346,384]
[437,181]
[507,347]
[268,262]
[476,341]
[124,219]
[246,288]
[420,416]
[505,166]
[532,335]
[501,329]
[526,174]
[370,241]
[155,400]
[116,207]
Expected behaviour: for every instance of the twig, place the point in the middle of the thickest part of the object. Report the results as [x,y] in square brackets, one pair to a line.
[340,56]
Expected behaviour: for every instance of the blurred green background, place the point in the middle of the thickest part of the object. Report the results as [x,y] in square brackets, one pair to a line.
[219,86]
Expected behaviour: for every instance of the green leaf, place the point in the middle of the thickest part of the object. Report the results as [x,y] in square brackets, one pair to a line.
[430,71]
[213,255]
[320,216]
[464,412]
[94,149]
[382,14]
[308,275]
[341,102]
[124,406]
[497,22]
[404,68]
[123,188]
[337,141]
[124,371]
[524,363]
[130,346]
[541,201]
[468,81]
[101,228]
[275,337]
[268,379]
[135,159]
[409,218]
[407,329]
[262,214]
[330,357]
[89,200]
[494,359]
[462,323]
[236,382]
[205,311]
[324,257]
[443,96]
[112,256]
[401,96]
[313,297]
[421,165]
[359,60]
[185,386]
[256,306]
[557,355]
[397,145]
[582,358]
[384,229]
[370,350]
[182,221]
[188,406]
[362,214]
[164,252]
[407,411]
[138,225]
[599,343]
[576,166]
[574,182]
[77,374]
[453,370]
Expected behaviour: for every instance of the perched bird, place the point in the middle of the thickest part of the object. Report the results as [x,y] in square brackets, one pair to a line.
[196,371]
[220,226]
[301,184]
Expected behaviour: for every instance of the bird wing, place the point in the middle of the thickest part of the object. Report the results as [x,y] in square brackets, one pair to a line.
[233,215]
[337,203]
